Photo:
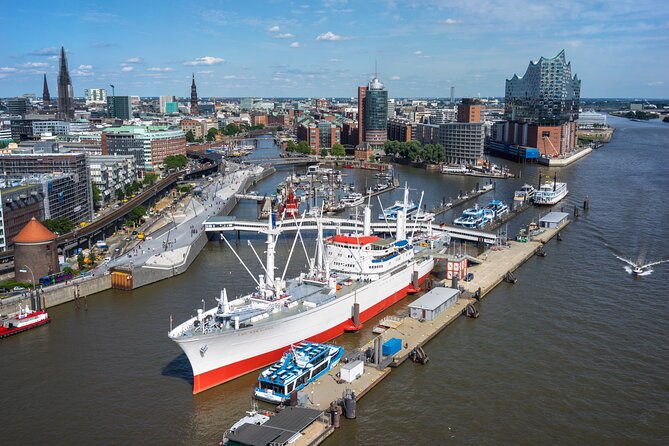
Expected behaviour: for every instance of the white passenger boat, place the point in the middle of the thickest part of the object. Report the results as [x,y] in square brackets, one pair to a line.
[551,192]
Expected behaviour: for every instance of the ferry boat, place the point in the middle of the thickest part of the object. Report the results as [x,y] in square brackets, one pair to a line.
[471,218]
[494,210]
[250,332]
[524,194]
[550,192]
[299,366]
[24,320]
[390,213]
[450,169]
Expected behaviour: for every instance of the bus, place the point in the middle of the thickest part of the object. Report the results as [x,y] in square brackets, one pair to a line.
[55,278]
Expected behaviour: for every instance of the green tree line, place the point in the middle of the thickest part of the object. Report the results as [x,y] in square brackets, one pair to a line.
[415,151]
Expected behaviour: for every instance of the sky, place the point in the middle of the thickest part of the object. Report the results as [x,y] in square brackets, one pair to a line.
[326,48]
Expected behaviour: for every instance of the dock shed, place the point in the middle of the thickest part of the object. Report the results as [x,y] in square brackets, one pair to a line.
[283,428]
[553,220]
[432,304]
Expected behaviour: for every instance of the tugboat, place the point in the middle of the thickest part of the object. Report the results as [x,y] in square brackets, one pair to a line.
[24,320]
[299,366]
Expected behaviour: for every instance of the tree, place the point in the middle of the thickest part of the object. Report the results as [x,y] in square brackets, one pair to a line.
[279,128]
[120,195]
[189,136]
[150,179]
[91,258]
[303,147]
[211,134]
[172,162]
[291,146]
[323,152]
[231,129]
[136,215]
[338,150]
[81,261]
[61,225]
[96,196]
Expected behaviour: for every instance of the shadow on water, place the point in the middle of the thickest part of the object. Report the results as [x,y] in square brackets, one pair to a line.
[179,367]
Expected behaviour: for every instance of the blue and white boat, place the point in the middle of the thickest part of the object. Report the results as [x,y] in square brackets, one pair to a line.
[303,363]
[494,210]
[471,218]
[390,213]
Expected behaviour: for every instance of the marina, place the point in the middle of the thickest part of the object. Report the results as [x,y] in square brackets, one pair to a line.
[533,317]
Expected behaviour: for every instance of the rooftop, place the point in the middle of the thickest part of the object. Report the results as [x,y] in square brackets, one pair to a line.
[433,299]
[34,232]
[554,217]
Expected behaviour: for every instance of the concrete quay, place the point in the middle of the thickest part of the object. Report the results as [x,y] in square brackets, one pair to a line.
[567,160]
[495,264]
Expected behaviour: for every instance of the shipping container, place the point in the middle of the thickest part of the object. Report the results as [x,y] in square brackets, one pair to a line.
[391,347]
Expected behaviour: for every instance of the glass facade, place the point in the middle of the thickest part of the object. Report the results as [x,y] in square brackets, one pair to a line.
[547,94]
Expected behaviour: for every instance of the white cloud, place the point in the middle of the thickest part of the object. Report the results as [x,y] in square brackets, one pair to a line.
[449,21]
[7,69]
[284,36]
[127,68]
[418,53]
[295,45]
[274,29]
[135,60]
[85,67]
[332,37]
[160,69]
[206,72]
[655,83]
[394,78]
[206,60]
[83,73]
[35,65]
[334,60]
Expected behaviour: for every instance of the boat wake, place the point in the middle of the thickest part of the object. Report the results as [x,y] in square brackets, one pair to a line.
[647,272]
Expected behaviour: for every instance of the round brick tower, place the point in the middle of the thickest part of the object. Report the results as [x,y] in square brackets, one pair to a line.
[35,252]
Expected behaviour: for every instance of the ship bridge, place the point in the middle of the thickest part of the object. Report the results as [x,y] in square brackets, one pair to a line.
[343,225]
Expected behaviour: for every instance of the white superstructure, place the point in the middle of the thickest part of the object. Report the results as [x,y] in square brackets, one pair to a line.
[351,278]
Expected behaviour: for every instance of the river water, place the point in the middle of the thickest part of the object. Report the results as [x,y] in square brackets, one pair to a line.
[575,353]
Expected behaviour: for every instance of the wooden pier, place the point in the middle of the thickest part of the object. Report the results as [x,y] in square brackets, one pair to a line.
[494,264]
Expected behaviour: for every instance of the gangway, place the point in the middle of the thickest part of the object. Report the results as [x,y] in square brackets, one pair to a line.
[224,224]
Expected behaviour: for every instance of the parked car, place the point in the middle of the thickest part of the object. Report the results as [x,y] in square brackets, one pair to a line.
[18,288]
[470,277]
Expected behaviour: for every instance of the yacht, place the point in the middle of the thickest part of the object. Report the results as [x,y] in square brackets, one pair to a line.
[524,194]
[471,218]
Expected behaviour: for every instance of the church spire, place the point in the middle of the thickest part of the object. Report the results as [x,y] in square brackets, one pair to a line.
[194,107]
[46,97]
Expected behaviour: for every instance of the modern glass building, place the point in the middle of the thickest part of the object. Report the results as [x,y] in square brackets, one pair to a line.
[376,113]
[547,94]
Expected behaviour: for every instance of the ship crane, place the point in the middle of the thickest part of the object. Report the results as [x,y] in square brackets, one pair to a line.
[555,151]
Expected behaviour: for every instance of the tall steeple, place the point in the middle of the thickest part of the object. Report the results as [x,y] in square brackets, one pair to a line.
[46,97]
[65,91]
[194,107]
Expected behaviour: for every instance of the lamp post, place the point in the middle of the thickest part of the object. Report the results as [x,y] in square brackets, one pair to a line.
[28,270]
[33,302]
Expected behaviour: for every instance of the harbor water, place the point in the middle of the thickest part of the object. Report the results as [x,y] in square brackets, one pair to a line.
[574,353]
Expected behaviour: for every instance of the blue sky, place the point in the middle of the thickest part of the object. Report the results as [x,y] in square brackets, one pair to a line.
[619,48]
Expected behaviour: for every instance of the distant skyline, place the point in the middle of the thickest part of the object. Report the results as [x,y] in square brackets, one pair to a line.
[326,48]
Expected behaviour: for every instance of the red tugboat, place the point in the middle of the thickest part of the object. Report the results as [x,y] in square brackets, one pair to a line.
[24,320]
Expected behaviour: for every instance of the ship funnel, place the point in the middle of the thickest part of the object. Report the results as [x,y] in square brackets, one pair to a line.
[367,221]
[401,226]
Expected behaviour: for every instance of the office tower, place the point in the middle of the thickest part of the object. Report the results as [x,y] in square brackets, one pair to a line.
[46,97]
[163,101]
[376,113]
[362,92]
[469,110]
[95,96]
[120,107]
[17,106]
[65,91]
[194,109]
[452,95]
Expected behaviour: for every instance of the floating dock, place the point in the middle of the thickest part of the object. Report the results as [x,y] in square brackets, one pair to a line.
[493,265]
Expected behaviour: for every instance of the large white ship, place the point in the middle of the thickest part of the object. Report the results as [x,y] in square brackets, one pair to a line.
[352,277]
